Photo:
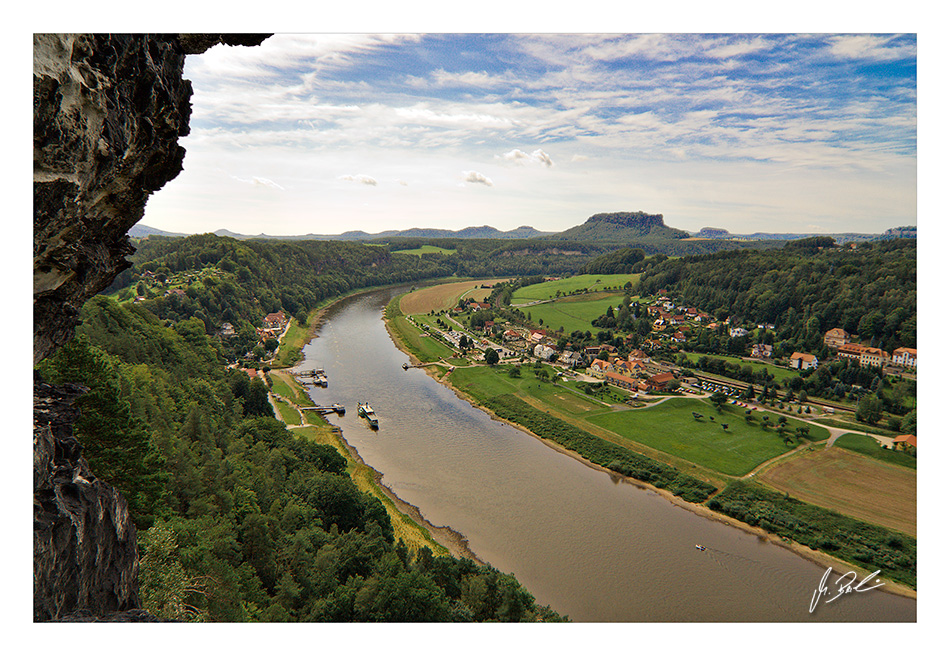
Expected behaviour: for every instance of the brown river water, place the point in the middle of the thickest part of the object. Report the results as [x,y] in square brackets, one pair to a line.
[586,543]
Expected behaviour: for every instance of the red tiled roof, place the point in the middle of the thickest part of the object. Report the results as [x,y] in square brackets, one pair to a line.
[910,439]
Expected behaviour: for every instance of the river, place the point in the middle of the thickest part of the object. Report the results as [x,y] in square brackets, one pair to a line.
[588,544]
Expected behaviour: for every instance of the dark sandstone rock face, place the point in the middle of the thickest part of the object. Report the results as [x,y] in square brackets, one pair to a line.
[108,110]
[84,553]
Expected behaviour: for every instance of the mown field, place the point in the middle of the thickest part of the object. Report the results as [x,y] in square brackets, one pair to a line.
[852,484]
[575,312]
[590,282]
[671,428]
[440,297]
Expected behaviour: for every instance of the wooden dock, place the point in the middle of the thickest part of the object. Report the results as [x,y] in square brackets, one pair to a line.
[326,409]
[315,376]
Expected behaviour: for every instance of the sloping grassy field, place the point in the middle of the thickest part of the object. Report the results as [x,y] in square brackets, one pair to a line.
[671,428]
[590,282]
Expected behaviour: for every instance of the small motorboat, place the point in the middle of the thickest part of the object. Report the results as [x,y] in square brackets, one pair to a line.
[701,547]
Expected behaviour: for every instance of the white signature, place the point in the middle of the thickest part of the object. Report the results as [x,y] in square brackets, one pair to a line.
[844,583]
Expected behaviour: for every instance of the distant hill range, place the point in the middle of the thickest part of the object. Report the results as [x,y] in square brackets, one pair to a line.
[636,228]
[482,232]
[906,232]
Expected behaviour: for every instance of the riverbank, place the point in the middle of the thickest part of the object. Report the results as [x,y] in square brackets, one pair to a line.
[820,558]
[409,524]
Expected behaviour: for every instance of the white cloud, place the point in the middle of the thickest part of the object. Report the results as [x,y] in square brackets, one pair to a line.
[520,157]
[477,178]
[363,179]
[869,46]
[260,182]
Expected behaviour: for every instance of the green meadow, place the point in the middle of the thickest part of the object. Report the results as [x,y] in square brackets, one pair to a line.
[671,428]
[869,447]
[590,282]
[574,312]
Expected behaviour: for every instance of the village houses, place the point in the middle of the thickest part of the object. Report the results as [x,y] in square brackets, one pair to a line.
[836,338]
[802,361]
[905,357]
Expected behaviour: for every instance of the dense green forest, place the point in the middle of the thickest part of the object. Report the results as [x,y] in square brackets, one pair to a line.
[805,288]
[238,519]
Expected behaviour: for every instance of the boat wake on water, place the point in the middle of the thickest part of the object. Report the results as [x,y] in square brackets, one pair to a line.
[733,564]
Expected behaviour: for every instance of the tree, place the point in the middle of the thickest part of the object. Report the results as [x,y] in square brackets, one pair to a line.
[115,442]
[491,356]
[909,423]
[869,409]
[718,399]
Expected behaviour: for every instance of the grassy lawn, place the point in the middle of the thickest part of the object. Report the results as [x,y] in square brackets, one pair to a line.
[670,427]
[590,282]
[288,414]
[289,352]
[869,447]
[422,250]
[575,312]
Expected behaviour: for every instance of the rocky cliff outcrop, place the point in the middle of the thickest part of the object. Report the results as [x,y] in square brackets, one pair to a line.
[84,553]
[108,110]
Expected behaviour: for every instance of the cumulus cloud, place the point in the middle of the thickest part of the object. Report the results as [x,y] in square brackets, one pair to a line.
[520,157]
[364,179]
[477,178]
[259,182]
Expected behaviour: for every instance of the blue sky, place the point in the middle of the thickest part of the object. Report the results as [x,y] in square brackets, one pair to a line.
[324,133]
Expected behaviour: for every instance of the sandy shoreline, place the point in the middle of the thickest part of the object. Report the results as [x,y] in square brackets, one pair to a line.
[820,558]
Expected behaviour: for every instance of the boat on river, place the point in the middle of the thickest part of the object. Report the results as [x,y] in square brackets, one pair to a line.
[365,411]
[701,547]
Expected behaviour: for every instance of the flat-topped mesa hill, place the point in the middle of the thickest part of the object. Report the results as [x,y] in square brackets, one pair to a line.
[622,227]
